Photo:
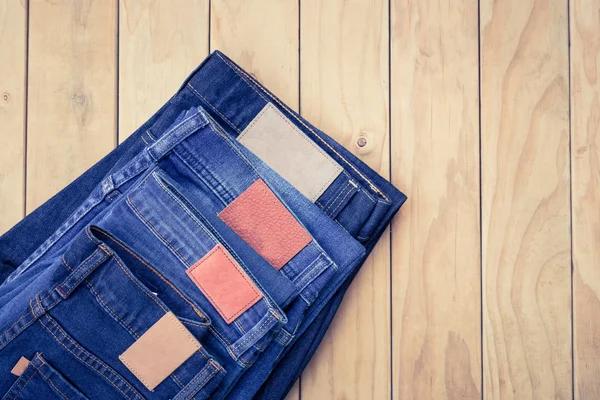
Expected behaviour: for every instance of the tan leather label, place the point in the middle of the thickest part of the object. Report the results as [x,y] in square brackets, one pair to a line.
[20,366]
[289,152]
[160,351]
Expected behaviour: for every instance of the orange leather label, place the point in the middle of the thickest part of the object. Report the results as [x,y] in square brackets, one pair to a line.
[259,218]
[160,351]
[20,366]
[224,283]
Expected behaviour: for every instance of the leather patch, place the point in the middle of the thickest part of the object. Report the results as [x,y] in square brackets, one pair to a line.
[224,283]
[288,151]
[259,218]
[20,366]
[160,351]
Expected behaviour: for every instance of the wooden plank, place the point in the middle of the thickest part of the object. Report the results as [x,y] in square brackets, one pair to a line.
[262,37]
[13,39]
[71,92]
[160,44]
[585,136]
[436,239]
[345,92]
[525,200]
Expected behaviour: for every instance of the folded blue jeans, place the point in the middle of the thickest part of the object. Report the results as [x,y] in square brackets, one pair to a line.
[191,161]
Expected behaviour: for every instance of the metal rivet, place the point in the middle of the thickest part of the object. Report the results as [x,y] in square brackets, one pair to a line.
[5,96]
[361,142]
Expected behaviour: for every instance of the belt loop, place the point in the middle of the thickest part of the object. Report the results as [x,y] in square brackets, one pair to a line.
[82,271]
[178,133]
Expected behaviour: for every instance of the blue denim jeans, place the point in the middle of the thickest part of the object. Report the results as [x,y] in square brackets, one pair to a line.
[103,262]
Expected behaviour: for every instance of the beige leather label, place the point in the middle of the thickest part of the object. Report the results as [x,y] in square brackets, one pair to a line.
[20,366]
[160,351]
[287,150]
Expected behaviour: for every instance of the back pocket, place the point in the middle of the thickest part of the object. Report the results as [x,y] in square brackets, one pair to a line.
[39,380]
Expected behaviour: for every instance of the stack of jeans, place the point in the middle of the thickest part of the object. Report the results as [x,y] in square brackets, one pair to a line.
[204,257]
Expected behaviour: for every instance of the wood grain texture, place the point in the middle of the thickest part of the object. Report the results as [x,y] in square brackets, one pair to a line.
[160,44]
[71,92]
[585,161]
[345,92]
[525,200]
[435,152]
[13,39]
[262,37]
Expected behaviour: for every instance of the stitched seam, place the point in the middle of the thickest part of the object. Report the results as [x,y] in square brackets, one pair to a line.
[315,271]
[196,378]
[53,385]
[237,70]
[99,298]
[235,266]
[106,367]
[201,385]
[155,231]
[82,266]
[195,125]
[326,210]
[139,286]
[255,334]
[80,279]
[224,138]
[157,274]
[135,372]
[25,314]
[27,383]
[252,123]
[135,334]
[217,241]
[186,333]
[184,208]
[341,202]
[199,167]
[213,107]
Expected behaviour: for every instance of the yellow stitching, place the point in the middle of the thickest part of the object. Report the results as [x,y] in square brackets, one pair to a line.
[52,383]
[89,355]
[196,310]
[27,383]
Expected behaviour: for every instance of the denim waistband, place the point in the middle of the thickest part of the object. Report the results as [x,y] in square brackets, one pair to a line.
[86,256]
[116,180]
[216,162]
[358,198]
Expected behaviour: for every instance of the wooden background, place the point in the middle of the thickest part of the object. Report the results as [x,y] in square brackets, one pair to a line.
[486,114]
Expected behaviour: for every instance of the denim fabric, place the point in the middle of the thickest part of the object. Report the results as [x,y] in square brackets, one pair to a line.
[98,264]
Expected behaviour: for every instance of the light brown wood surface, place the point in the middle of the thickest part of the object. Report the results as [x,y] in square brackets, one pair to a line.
[487,285]
[585,153]
[13,42]
[160,43]
[345,91]
[435,159]
[525,200]
[71,92]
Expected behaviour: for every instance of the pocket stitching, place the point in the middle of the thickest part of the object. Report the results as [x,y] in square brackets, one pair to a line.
[105,366]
